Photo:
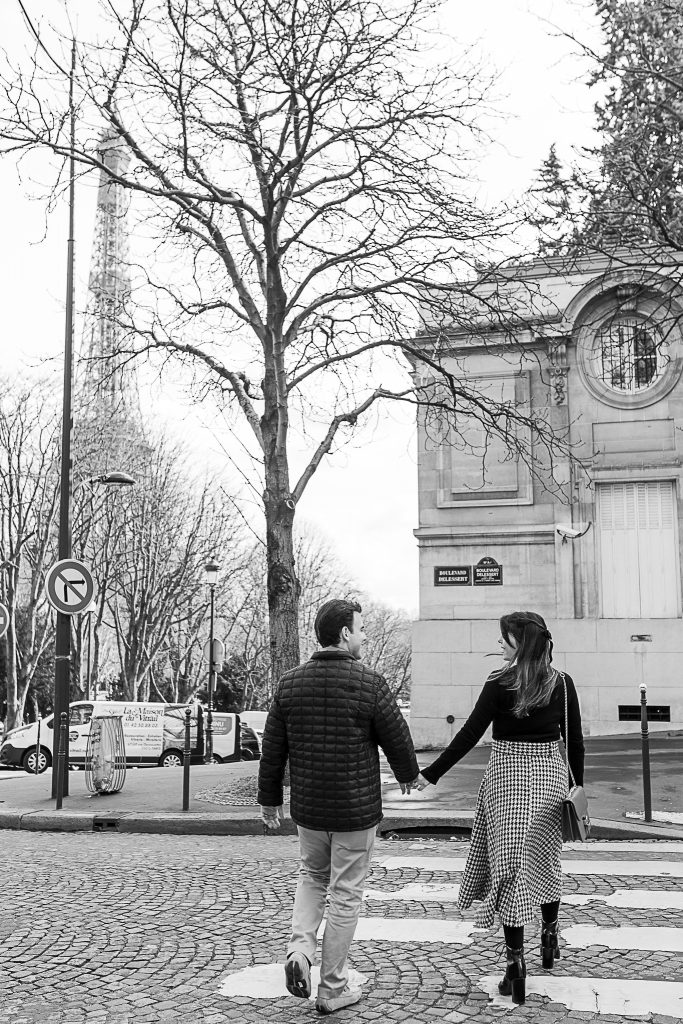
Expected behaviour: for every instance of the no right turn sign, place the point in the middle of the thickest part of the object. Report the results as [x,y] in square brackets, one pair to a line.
[70,587]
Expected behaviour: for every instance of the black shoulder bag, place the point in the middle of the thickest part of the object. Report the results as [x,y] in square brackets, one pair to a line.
[576,822]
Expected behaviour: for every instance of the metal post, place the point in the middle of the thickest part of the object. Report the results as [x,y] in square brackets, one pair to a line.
[63,634]
[61,759]
[186,761]
[88,664]
[645,741]
[209,717]
[38,750]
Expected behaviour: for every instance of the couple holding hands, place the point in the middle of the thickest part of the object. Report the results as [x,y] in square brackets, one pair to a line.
[329,718]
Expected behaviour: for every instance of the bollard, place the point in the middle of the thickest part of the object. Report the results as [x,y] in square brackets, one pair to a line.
[186,761]
[60,760]
[38,750]
[645,740]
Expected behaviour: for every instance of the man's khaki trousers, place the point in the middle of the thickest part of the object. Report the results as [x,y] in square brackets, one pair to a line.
[333,865]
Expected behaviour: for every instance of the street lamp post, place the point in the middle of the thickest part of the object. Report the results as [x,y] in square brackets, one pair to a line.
[211,570]
[63,632]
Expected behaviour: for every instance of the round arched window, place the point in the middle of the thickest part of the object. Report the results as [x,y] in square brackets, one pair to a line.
[630,356]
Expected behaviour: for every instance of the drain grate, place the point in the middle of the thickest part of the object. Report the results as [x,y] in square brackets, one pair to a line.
[105,825]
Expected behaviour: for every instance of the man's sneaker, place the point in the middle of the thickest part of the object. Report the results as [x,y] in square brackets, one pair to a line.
[298,975]
[346,998]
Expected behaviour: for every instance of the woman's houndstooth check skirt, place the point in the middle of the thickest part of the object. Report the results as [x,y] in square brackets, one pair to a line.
[514,860]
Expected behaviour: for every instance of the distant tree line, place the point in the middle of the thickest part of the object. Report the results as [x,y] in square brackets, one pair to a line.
[147,546]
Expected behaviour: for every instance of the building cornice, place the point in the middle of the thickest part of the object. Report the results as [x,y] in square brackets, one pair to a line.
[462,536]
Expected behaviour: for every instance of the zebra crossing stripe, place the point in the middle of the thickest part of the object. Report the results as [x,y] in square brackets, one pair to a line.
[605,868]
[629,899]
[634,846]
[626,899]
[418,892]
[267,981]
[633,998]
[411,929]
[664,940]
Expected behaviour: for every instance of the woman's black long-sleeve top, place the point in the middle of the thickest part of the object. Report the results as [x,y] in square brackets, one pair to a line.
[542,725]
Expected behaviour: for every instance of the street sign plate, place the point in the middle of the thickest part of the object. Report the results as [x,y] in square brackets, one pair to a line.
[4,620]
[69,586]
[218,653]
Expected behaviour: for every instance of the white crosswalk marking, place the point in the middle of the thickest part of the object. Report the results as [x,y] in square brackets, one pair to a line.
[665,939]
[652,868]
[629,899]
[416,892]
[412,929]
[634,998]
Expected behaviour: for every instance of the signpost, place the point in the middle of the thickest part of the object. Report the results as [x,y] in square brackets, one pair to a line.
[70,587]
[4,620]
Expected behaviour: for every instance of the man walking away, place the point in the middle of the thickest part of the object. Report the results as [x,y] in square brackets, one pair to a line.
[328,717]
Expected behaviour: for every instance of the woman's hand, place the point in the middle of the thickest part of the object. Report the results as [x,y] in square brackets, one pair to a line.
[420,783]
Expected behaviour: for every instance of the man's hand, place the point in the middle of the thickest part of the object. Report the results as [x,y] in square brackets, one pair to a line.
[418,783]
[271,816]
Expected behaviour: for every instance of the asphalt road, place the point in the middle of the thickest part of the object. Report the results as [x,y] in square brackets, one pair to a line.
[613,776]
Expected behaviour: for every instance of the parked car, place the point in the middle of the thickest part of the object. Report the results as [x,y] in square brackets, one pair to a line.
[251,748]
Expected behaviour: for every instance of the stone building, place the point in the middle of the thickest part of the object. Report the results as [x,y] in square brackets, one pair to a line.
[595,348]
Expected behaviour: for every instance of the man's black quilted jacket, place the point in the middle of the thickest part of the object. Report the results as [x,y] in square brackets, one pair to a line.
[328,717]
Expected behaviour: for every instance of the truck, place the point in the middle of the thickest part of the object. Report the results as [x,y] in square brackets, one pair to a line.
[154,734]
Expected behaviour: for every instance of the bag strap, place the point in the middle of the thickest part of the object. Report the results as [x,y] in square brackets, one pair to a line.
[570,781]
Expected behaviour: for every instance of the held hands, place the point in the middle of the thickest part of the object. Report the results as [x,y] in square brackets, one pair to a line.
[418,783]
[271,816]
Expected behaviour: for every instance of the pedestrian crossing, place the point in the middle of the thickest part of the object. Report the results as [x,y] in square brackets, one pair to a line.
[622,943]
[593,868]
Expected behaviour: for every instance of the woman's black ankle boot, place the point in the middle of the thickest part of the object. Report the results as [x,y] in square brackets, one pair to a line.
[514,983]
[550,946]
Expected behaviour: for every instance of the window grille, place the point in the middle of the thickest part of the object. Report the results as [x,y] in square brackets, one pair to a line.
[631,356]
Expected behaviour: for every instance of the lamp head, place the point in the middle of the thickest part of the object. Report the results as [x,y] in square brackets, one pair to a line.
[116,478]
[211,571]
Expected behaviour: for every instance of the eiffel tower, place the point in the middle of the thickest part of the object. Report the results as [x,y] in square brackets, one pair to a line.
[108,422]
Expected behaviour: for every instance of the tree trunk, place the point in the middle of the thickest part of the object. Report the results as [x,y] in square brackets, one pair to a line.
[283,585]
[15,706]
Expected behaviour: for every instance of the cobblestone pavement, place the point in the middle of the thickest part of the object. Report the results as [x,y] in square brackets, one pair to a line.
[140,929]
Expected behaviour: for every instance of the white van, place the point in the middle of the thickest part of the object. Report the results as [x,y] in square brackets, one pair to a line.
[154,734]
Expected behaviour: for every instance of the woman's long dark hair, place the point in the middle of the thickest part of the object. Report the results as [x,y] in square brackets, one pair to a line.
[530,674]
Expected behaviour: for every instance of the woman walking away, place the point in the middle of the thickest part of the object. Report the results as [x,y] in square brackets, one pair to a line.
[513,865]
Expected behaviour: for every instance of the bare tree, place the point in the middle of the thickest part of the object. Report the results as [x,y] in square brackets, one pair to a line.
[168,529]
[389,645]
[304,171]
[29,488]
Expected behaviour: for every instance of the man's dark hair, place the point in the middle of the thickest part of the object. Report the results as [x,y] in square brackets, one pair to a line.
[331,619]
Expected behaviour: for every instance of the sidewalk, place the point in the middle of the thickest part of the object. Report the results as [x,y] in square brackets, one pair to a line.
[223,802]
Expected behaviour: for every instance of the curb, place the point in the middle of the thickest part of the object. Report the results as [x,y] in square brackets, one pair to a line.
[249,824]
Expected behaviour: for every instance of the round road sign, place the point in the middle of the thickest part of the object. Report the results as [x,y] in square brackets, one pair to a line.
[70,587]
[4,620]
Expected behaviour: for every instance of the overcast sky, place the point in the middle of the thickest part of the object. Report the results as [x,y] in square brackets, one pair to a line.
[364,499]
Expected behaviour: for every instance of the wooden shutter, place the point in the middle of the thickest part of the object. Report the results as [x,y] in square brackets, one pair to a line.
[639,567]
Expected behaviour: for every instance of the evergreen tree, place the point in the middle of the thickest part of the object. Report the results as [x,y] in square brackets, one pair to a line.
[553,214]
[637,197]
[631,194]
